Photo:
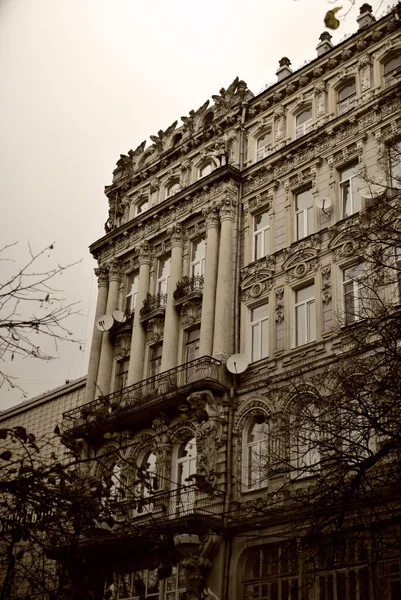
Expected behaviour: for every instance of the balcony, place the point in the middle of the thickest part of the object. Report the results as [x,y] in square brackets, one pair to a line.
[167,509]
[144,399]
[189,288]
[153,306]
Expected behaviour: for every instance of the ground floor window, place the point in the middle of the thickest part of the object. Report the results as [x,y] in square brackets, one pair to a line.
[145,585]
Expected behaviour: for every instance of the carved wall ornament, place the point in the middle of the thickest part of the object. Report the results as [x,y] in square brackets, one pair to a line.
[197,565]
[301,263]
[279,123]
[191,312]
[155,328]
[211,215]
[160,139]
[193,120]
[102,274]
[262,200]
[154,184]
[228,98]
[342,245]
[326,285]
[257,278]
[176,235]
[114,270]
[279,293]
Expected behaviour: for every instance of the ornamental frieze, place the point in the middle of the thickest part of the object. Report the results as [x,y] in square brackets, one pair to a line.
[257,278]
[303,263]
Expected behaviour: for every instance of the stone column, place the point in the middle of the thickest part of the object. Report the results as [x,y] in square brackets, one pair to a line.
[107,352]
[223,322]
[172,319]
[138,340]
[209,288]
[94,357]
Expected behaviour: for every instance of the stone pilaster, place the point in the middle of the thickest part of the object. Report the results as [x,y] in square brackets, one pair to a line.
[107,351]
[96,346]
[172,319]
[209,288]
[138,340]
[223,322]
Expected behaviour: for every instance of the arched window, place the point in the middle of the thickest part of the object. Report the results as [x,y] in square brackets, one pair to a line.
[142,205]
[207,121]
[147,482]
[206,169]
[303,123]
[173,188]
[347,97]
[389,68]
[118,483]
[263,145]
[256,454]
[186,465]
[307,436]
[176,139]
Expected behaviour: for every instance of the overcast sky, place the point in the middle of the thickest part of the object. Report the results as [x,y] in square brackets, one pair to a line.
[83,81]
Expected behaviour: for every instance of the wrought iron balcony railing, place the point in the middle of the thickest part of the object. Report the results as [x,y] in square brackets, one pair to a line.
[146,392]
[165,506]
[152,304]
[188,287]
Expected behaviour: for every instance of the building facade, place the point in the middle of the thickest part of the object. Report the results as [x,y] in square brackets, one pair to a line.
[230,235]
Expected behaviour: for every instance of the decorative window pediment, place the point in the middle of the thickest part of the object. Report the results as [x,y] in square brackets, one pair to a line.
[257,278]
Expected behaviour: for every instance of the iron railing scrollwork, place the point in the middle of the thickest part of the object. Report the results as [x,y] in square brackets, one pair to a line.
[153,302]
[189,286]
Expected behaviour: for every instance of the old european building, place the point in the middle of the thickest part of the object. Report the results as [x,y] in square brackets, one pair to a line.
[229,235]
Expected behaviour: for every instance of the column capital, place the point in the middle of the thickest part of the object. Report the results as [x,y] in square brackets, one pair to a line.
[114,270]
[144,253]
[227,209]
[211,215]
[102,274]
[176,235]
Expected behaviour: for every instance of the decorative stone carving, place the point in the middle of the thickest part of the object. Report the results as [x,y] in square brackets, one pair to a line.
[279,123]
[196,566]
[191,312]
[257,278]
[320,99]
[159,140]
[279,293]
[211,215]
[342,245]
[301,264]
[230,97]
[155,329]
[194,117]
[102,274]
[136,154]
[114,270]
[364,73]
[162,446]
[176,235]
[326,285]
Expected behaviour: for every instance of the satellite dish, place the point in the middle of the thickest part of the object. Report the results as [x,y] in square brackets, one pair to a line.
[105,322]
[237,363]
[372,191]
[324,204]
[119,316]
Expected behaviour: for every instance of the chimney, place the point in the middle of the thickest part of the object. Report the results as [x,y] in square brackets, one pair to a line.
[365,17]
[284,68]
[325,43]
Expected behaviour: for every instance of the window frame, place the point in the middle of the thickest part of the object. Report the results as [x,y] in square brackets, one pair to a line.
[309,320]
[200,261]
[356,295]
[121,375]
[163,280]
[348,184]
[173,188]
[349,102]
[262,152]
[263,233]
[130,292]
[306,127]
[308,213]
[263,448]
[388,78]
[258,323]
[155,359]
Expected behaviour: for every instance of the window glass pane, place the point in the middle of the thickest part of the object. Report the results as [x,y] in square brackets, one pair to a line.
[258,246]
[304,116]
[264,345]
[346,200]
[356,199]
[304,199]
[258,432]
[300,226]
[258,313]
[255,342]
[348,173]
[306,293]
[164,266]
[311,321]
[392,64]
[264,140]
[300,325]
[347,91]
[261,220]
[206,170]
[198,249]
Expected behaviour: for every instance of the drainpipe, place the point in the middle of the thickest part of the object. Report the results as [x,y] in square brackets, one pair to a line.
[237,263]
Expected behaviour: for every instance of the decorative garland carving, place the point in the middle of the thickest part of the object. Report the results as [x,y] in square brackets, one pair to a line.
[326,285]
[301,264]
[257,278]
[279,293]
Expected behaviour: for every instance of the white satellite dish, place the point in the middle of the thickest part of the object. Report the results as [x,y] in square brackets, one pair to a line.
[119,316]
[372,191]
[105,322]
[324,204]
[237,363]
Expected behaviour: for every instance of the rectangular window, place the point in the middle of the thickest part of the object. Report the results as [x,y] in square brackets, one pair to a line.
[131,292]
[198,253]
[156,360]
[192,345]
[352,294]
[122,374]
[305,315]
[395,165]
[259,332]
[350,199]
[260,235]
[163,274]
[304,214]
